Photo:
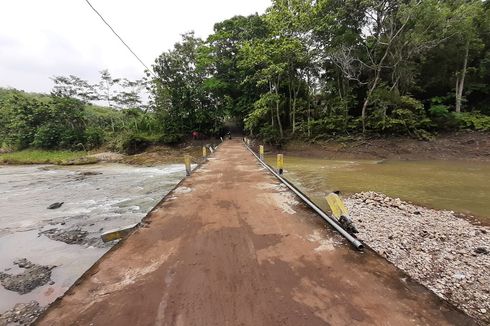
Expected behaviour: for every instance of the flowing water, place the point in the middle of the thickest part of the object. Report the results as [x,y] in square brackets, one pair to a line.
[461,186]
[96,198]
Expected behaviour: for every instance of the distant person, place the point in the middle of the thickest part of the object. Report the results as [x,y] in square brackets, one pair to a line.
[228,134]
[195,135]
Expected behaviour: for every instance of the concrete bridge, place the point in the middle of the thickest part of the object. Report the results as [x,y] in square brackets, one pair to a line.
[232,246]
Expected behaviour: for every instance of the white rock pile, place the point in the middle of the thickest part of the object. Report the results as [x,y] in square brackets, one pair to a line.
[447,254]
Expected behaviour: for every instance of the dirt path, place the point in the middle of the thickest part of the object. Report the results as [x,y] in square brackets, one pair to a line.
[231,246]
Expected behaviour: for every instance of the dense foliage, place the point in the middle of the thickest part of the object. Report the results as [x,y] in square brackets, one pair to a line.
[314,69]
[29,120]
[309,69]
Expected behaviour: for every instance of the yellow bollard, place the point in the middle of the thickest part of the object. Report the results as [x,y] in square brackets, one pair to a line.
[204,152]
[280,163]
[187,162]
[261,152]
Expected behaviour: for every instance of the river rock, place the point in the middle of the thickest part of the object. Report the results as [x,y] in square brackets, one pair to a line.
[444,252]
[21,314]
[55,205]
[74,236]
[33,276]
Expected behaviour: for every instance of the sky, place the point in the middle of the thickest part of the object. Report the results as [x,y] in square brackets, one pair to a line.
[41,39]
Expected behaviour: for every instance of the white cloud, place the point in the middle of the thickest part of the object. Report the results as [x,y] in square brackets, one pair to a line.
[39,39]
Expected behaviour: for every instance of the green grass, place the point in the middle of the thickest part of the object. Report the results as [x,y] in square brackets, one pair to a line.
[32,156]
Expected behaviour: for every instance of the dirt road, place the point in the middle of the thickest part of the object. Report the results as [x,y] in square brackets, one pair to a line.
[231,246]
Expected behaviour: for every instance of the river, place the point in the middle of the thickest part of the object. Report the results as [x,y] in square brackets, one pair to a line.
[460,186]
[96,198]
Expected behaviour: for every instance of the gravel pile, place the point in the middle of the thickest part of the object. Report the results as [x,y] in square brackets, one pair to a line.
[21,314]
[32,277]
[75,236]
[445,253]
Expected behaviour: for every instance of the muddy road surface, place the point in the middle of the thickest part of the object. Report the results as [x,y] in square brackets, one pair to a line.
[232,246]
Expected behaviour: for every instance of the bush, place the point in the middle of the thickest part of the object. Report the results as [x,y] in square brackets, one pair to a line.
[134,143]
[271,135]
[170,139]
[47,136]
[439,110]
[397,115]
[94,137]
[473,121]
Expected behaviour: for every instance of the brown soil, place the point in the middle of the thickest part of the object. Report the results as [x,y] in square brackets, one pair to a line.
[231,246]
[156,155]
[462,146]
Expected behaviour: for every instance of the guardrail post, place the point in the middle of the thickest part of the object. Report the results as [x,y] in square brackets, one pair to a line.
[280,163]
[187,162]
[261,152]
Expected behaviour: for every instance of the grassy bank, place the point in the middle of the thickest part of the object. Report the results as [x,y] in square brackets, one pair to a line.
[32,156]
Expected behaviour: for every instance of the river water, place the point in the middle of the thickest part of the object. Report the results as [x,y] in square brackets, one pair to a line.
[460,186]
[97,198]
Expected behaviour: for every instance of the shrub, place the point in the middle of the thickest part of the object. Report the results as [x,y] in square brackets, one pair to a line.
[94,137]
[170,139]
[134,143]
[47,136]
[397,115]
[473,121]
[271,135]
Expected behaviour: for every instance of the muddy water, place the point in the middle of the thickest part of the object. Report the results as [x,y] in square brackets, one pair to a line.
[111,196]
[461,186]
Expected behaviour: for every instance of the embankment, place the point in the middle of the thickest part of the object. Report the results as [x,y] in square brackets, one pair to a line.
[465,145]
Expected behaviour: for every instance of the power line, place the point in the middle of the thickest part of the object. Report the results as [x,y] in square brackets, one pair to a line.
[119,37]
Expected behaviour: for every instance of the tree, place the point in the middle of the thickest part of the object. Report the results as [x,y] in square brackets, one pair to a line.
[181,100]
[73,86]
[106,87]
[231,85]
[467,37]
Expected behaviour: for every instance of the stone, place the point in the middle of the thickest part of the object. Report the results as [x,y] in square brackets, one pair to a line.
[436,249]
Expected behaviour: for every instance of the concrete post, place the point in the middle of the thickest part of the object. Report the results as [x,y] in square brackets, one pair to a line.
[261,152]
[187,162]
[204,152]
[280,163]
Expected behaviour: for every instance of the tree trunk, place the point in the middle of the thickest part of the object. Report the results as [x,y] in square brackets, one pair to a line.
[272,109]
[308,103]
[295,97]
[366,103]
[290,91]
[277,109]
[460,85]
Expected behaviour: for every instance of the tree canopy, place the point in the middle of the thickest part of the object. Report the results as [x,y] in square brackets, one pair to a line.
[315,68]
[308,69]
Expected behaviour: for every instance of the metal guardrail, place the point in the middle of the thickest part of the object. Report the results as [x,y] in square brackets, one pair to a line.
[355,242]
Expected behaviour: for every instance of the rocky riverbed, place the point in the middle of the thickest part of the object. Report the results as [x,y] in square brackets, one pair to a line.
[34,239]
[33,276]
[442,251]
[21,314]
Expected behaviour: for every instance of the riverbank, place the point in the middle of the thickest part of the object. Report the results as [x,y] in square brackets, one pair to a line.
[465,145]
[438,249]
[31,156]
[154,155]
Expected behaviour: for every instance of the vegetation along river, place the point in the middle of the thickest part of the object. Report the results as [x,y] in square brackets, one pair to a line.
[97,198]
[461,186]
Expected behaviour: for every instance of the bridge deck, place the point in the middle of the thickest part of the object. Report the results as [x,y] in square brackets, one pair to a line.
[231,246]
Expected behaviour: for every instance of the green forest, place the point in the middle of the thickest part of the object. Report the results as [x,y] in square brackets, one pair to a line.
[304,69]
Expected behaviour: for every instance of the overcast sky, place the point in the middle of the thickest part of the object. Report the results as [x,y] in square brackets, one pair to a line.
[43,38]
